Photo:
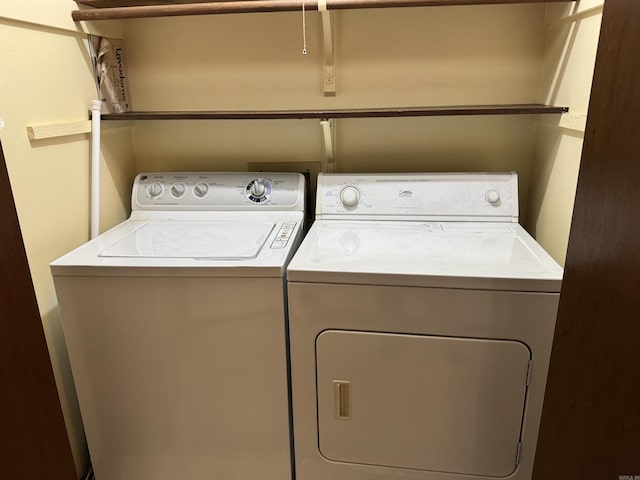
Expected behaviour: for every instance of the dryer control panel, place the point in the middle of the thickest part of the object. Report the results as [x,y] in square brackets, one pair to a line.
[218,191]
[419,196]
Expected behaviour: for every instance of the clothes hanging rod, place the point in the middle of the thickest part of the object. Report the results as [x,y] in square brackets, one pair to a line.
[252,6]
[516,109]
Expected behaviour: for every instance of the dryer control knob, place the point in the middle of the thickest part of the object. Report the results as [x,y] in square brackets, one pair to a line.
[350,196]
[258,188]
[200,189]
[155,189]
[492,197]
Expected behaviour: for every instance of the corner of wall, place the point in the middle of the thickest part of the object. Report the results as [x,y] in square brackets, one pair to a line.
[572,33]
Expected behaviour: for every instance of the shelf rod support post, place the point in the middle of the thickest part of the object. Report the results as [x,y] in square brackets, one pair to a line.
[329,80]
[327,133]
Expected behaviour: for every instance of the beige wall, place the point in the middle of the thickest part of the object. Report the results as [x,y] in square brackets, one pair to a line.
[390,57]
[45,79]
[570,50]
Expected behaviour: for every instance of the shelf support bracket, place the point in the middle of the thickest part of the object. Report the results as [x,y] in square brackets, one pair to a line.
[329,80]
[327,133]
[40,132]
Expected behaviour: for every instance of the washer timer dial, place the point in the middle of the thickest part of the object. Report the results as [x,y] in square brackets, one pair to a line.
[258,190]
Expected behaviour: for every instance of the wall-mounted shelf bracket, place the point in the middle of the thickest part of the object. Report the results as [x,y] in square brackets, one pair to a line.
[327,36]
[327,133]
[54,130]
[40,132]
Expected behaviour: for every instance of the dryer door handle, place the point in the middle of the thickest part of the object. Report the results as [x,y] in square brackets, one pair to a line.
[342,399]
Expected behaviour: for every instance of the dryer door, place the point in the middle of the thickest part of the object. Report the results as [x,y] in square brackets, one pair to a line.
[421,402]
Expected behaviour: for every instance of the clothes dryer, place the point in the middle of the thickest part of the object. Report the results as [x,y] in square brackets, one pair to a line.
[176,329]
[421,323]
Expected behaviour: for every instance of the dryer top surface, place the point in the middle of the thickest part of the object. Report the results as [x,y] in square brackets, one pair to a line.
[479,255]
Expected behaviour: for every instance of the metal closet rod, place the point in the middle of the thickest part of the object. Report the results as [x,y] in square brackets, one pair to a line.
[252,6]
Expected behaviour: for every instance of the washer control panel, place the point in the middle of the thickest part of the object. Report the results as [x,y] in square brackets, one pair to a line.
[426,196]
[218,191]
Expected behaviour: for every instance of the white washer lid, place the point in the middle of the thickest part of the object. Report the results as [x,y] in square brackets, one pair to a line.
[211,240]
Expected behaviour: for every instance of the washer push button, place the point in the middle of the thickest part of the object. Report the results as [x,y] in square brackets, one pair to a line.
[283,235]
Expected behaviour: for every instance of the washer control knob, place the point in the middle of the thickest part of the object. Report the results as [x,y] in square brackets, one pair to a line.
[350,196]
[258,188]
[178,189]
[155,189]
[492,196]
[201,189]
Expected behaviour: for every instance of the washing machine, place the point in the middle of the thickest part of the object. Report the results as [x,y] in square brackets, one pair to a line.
[176,329]
[421,320]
